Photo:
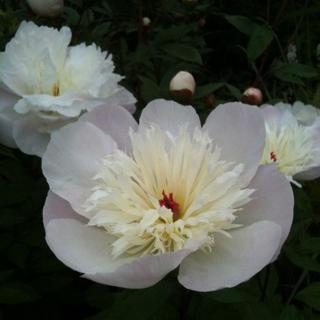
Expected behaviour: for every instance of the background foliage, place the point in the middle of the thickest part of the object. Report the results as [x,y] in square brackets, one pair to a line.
[228,46]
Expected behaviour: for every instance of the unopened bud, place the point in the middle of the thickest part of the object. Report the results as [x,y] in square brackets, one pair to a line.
[252,96]
[146,21]
[183,85]
[46,8]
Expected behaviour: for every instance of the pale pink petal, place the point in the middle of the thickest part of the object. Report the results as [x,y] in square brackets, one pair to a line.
[28,137]
[81,247]
[57,208]
[238,129]
[169,116]
[272,200]
[73,158]
[6,130]
[7,99]
[143,272]
[232,260]
[115,121]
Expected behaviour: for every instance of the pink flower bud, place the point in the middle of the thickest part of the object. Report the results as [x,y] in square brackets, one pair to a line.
[46,8]
[183,84]
[252,96]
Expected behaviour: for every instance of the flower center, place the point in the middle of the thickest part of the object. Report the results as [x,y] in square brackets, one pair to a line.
[169,203]
[131,201]
[56,89]
[273,156]
[290,146]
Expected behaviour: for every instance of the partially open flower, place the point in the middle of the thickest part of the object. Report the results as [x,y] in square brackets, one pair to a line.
[252,96]
[46,8]
[46,84]
[183,85]
[130,202]
[293,140]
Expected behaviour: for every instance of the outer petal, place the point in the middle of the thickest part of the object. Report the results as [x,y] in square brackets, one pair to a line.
[57,208]
[81,247]
[72,159]
[28,137]
[169,116]
[239,131]
[143,272]
[88,249]
[7,99]
[115,121]
[232,260]
[6,130]
[272,200]
[125,99]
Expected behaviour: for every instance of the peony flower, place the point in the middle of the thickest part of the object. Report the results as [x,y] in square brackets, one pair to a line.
[46,8]
[46,84]
[304,113]
[293,140]
[130,202]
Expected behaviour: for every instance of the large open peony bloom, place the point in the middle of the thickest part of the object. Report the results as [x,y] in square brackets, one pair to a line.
[45,83]
[130,202]
[293,140]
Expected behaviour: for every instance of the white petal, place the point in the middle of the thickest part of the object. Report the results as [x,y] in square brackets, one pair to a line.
[232,260]
[72,159]
[6,130]
[28,137]
[57,208]
[125,99]
[7,99]
[238,129]
[115,121]
[143,272]
[169,116]
[81,247]
[272,200]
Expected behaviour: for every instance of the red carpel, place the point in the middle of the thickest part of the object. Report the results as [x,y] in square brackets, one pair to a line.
[169,203]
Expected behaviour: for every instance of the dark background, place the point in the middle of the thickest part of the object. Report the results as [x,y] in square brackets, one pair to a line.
[228,46]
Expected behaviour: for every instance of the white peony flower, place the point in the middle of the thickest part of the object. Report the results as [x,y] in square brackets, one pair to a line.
[46,8]
[304,113]
[293,140]
[46,84]
[130,202]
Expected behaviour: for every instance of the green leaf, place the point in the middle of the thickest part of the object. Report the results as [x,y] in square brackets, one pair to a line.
[149,89]
[311,245]
[260,39]
[243,24]
[202,91]
[234,91]
[293,72]
[14,293]
[71,15]
[310,295]
[234,295]
[183,52]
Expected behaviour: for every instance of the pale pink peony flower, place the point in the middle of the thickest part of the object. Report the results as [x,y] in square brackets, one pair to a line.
[293,140]
[45,84]
[131,202]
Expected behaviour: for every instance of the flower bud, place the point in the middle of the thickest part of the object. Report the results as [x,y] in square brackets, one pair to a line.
[183,85]
[252,96]
[46,8]
[146,21]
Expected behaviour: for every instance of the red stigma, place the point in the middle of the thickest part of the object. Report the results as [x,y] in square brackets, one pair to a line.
[273,156]
[169,203]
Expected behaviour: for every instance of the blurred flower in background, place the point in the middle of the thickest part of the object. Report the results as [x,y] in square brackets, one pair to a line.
[145,198]
[46,84]
[293,140]
[46,8]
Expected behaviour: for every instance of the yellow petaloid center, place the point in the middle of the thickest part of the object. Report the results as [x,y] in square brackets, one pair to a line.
[168,191]
[289,146]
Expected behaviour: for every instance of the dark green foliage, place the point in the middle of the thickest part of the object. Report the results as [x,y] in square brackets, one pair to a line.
[228,46]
